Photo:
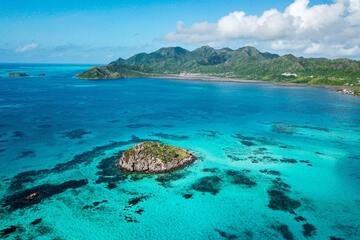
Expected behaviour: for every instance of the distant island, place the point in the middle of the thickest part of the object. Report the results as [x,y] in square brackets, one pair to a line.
[154,157]
[18,75]
[246,63]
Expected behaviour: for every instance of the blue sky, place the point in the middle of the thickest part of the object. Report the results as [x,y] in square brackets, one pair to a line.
[94,31]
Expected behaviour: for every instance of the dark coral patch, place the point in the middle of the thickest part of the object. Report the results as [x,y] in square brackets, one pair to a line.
[270,172]
[113,121]
[308,230]
[140,211]
[307,162]
[138,176]
[2,150]
[25,177]
[239,178]
[166,179]
[25,154]
[226,235]
[131,203]
[111,185]
[247,143]
[209,184]
[43,230]
[234,158]
[134,201]
[36,221]
[37,194]
[260,151]
[313,128]
[76,134]
[167,126]
[130,219]
[288,160]
[18,134]
[211,133]
[300,219]
[279,184]
[242,137]
[336,238]
[248,235]
[94,204]
[254,140]
[187,195]
[280,201]
[7,231]
[284,231]
[139,125]
[108,172]
[283,128]
[269,159]
[44,126]
[170,136]
[211,170]
[83,158]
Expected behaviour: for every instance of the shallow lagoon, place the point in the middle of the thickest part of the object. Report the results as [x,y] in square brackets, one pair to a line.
[274,162]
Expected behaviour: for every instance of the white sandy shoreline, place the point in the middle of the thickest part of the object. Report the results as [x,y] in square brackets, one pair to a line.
[208,78]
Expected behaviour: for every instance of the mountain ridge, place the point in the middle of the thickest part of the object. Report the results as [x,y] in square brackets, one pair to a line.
[243,63]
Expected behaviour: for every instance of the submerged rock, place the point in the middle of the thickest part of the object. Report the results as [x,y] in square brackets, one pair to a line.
[154,157]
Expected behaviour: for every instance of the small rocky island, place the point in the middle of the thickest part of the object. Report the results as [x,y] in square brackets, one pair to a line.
[154,157]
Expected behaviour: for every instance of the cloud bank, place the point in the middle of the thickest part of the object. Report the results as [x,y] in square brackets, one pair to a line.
[327,29]
[66,53]
[26,48]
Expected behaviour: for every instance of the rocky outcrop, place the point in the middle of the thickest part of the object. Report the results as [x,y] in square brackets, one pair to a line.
[154,157]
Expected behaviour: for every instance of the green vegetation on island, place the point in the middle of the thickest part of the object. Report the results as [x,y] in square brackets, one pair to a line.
[244,63]
[163,152]
[153,157]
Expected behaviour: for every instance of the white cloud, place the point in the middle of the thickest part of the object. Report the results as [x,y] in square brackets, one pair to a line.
[26,48]
[322,29]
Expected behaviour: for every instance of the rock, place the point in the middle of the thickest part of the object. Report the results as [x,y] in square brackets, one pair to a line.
[18,75]
[154,157]
[346,91]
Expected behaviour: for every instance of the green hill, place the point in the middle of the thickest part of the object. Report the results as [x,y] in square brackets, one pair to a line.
[243,63]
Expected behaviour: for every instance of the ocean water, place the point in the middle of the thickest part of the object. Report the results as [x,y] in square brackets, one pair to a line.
[273,162]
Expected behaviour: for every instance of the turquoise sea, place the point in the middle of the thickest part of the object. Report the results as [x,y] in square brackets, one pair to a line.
[273,162]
